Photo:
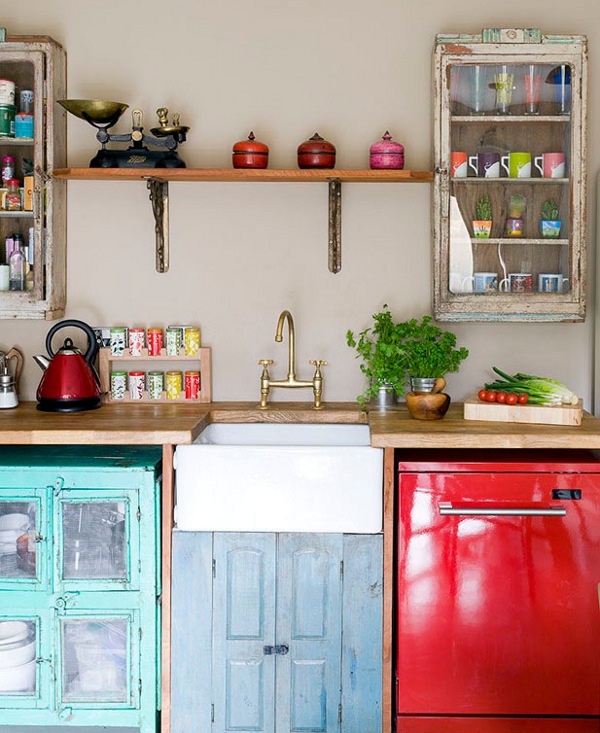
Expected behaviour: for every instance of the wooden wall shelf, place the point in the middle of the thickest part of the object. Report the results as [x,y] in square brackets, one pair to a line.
[157,180]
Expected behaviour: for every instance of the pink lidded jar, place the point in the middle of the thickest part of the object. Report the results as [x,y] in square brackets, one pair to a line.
[387,154]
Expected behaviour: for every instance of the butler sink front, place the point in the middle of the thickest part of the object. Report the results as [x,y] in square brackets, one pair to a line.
[268,477]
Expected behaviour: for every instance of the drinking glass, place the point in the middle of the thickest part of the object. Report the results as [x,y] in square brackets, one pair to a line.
[532,89]
[478,78]
[503,81]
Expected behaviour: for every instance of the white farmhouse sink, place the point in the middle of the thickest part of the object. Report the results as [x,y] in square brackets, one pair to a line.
[267,477]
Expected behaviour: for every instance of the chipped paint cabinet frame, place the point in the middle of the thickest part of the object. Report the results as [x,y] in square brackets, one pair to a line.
[509,136]
[37,63]
[79,586]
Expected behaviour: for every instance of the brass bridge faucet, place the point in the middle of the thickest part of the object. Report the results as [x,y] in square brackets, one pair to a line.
[265,379]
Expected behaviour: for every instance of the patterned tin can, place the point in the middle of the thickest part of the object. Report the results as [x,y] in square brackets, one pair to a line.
[137,338]
[118,385]
[174,385]
[155,341]
[117,341]
[7,120]
[156,381]
[7,91]
[137,385]
[192,385]
[173,341]
[191,340]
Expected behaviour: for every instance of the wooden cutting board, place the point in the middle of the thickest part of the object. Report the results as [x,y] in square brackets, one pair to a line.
[475,409]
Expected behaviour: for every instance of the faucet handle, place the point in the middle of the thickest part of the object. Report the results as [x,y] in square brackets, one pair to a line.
[265,362]
[318,363]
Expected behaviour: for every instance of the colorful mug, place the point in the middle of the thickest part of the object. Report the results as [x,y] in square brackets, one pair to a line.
[551,282]
[551,165]
[517,165]
[518,282]
[486,165]
[458,165]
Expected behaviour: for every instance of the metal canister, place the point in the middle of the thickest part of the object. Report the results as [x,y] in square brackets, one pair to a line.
[156,382]
[118,385]
[155,341]
[137,385]
[7,91]
[192,385]
[117,341]
[174,385]
[7,120]
[137,337]
[191,340]
[173,341]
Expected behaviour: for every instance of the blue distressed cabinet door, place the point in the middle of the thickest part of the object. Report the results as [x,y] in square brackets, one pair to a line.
[309,622]
[243,677]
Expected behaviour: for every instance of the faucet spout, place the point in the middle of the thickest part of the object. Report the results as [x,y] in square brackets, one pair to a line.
[286,315]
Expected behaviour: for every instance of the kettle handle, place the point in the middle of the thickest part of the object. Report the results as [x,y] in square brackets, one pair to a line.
[92,343]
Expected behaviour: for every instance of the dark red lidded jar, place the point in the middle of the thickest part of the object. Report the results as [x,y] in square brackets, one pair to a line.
[387,154]
[250,153]
[316,153]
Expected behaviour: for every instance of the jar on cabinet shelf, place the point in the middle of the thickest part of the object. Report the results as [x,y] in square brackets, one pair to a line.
[517,96]
[386,154]
[250,153]
[316,153]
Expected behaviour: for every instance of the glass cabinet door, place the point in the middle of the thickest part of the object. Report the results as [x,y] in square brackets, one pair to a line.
[23,540]
[98,656]
[510,178]
[98,540]
[25,658]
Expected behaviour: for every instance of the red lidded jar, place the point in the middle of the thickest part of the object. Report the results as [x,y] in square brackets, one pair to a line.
[387,154]
[316,153]
[250,153]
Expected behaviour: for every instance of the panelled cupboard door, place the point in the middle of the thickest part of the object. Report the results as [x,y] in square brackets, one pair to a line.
[24,544]
[243,677]
[309,618]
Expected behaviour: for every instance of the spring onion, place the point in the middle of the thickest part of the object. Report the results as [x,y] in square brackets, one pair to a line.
[541,390]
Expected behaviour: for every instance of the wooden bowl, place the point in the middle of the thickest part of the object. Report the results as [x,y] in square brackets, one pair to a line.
[428,405]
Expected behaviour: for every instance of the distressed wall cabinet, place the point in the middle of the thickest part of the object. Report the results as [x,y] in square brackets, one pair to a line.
[79,586]
[276,632]
[510,127]
[38,63]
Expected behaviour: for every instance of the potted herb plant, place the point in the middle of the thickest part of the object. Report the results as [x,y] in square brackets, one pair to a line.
[550,223]
[516,209]
[381,351]
[482,224]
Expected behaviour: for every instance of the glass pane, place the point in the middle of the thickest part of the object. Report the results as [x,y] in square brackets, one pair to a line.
[94,660]
[94,539]
[18,652]
[18,524]
[509,205]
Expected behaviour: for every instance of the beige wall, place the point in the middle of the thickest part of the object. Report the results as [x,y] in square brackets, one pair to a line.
[240,253]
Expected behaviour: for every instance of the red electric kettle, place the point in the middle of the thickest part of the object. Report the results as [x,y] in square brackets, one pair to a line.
[70,382]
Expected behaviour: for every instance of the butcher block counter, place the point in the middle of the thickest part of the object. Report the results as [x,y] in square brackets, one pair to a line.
[173,424]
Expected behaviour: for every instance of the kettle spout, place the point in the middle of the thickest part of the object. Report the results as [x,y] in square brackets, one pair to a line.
[42,362]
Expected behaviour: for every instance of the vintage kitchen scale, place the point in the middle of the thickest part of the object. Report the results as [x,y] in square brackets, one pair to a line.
[158,150]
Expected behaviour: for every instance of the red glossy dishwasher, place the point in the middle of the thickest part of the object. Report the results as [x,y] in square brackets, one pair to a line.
[497,612]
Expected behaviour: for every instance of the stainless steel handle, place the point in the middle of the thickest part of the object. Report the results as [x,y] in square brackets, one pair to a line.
[496,511]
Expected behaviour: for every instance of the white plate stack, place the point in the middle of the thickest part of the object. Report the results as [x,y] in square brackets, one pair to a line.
[12,527]
[17,657]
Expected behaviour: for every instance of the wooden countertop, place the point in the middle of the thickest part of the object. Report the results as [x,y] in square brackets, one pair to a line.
[163,424]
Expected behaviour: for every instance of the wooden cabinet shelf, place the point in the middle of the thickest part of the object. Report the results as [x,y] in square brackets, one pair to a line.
[157,180]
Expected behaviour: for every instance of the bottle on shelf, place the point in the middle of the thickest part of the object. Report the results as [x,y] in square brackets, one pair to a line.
[17,266]
[12,197]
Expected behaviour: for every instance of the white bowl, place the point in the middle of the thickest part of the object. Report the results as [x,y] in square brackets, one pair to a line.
[18,679]
[14,521]
[13,631]
[18,654]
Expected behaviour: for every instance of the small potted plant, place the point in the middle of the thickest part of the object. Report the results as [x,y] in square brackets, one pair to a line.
[550,223]
[482,224]
[382,353]
[516,209]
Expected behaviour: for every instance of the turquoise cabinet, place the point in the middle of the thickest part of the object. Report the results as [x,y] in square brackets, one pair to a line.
[79,586]
[276,632]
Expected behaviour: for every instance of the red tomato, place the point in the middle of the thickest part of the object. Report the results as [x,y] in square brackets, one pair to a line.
[523,399]
[501,397]
[482,394]
[491,396]
[511,399]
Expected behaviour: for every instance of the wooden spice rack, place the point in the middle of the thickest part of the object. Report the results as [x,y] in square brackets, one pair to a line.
[203,357]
